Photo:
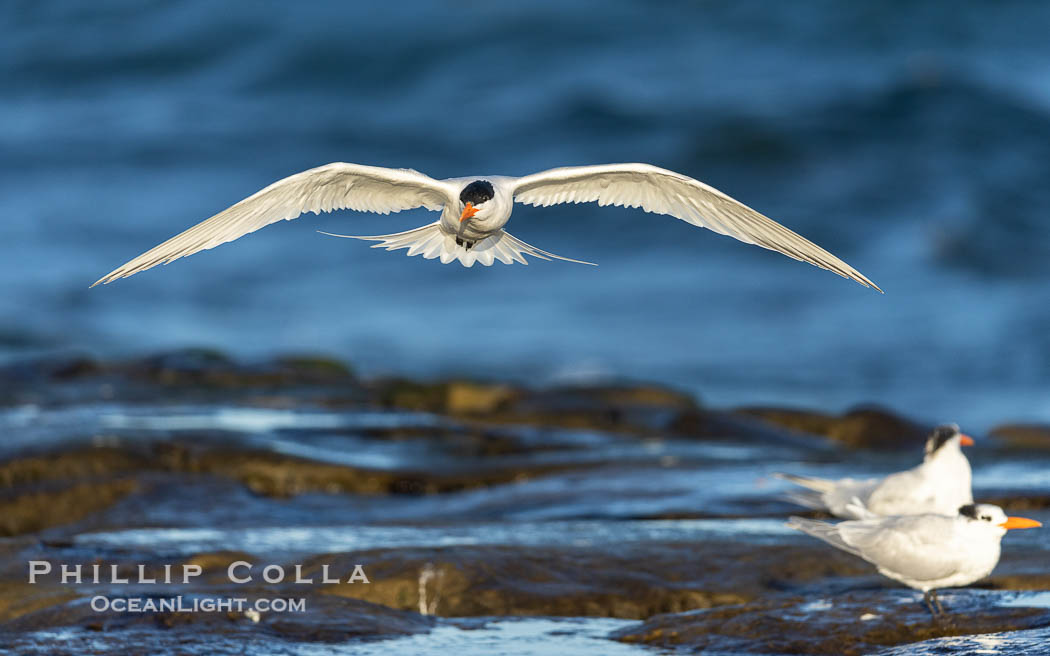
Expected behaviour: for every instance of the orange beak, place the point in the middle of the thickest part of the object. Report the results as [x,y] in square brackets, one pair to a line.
[1019,522]
[965,440]
[468,212]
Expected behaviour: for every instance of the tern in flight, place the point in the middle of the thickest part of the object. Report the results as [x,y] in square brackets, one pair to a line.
[475,209]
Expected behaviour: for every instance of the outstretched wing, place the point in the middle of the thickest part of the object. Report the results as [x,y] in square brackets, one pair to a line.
[323,189]
[665,192]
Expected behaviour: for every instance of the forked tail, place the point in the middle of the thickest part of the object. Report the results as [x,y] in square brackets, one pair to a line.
[432,242]
[816,484]
[813,496]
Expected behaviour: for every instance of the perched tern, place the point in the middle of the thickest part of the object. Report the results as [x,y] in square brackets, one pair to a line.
[924,552]
[475,209]
[939,485]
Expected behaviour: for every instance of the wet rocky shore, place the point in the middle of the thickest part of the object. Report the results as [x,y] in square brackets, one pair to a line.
[479,510]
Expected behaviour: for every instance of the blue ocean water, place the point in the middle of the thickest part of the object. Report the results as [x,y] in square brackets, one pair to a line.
[910,139]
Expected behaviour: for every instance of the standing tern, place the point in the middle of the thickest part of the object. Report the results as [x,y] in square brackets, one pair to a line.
[924,552]
[939,485]
[475,209]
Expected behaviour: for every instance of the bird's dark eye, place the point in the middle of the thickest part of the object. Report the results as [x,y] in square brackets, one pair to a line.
[477,192]
[986,518]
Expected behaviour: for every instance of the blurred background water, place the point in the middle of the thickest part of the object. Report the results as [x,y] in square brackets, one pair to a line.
[911,139]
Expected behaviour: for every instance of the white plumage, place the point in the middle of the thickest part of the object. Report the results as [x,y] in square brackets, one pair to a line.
[475,209]
[924,552]
[939,485]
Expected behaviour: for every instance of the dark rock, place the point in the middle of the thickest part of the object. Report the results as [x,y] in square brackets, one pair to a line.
[186,366]
[38,491]
[66,466]
[332,618]
[410,395]
[631,581]
[457,397]
[39,509]
[1023,436]
[276,475]
[315,368]
[465,398]
[515,581]
[846,624]
[210,368]
[18,598]
[326,618]
[862,427]
[57,367]
[1033,579]
[619,408]
[719,425]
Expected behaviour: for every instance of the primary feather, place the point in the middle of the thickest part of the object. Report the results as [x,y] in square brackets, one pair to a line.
[661,191]
[322,189]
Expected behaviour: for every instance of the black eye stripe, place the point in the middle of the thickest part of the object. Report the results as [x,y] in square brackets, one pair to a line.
[969,510]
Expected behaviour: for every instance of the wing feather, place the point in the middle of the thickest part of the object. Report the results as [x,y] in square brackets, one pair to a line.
[903,493]
[915,548]
[322,189]
[661,191]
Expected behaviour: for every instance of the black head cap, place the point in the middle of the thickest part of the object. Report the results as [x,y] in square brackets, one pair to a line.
[477,192]
[969,510]
[940,437]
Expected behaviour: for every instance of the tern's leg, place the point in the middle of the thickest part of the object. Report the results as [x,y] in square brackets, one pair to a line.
[933,604]
[927,601]
[937,602]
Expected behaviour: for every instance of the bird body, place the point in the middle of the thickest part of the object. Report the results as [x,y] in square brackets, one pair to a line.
[486,222]
[924,552]
[475,209]
[940,485]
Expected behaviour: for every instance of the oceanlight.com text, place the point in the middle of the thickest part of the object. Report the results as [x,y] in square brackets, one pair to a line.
[181,604]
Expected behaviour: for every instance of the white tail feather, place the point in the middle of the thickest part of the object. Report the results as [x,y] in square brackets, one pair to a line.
[806,499]
[824,531]
[810,482]
[432,242]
